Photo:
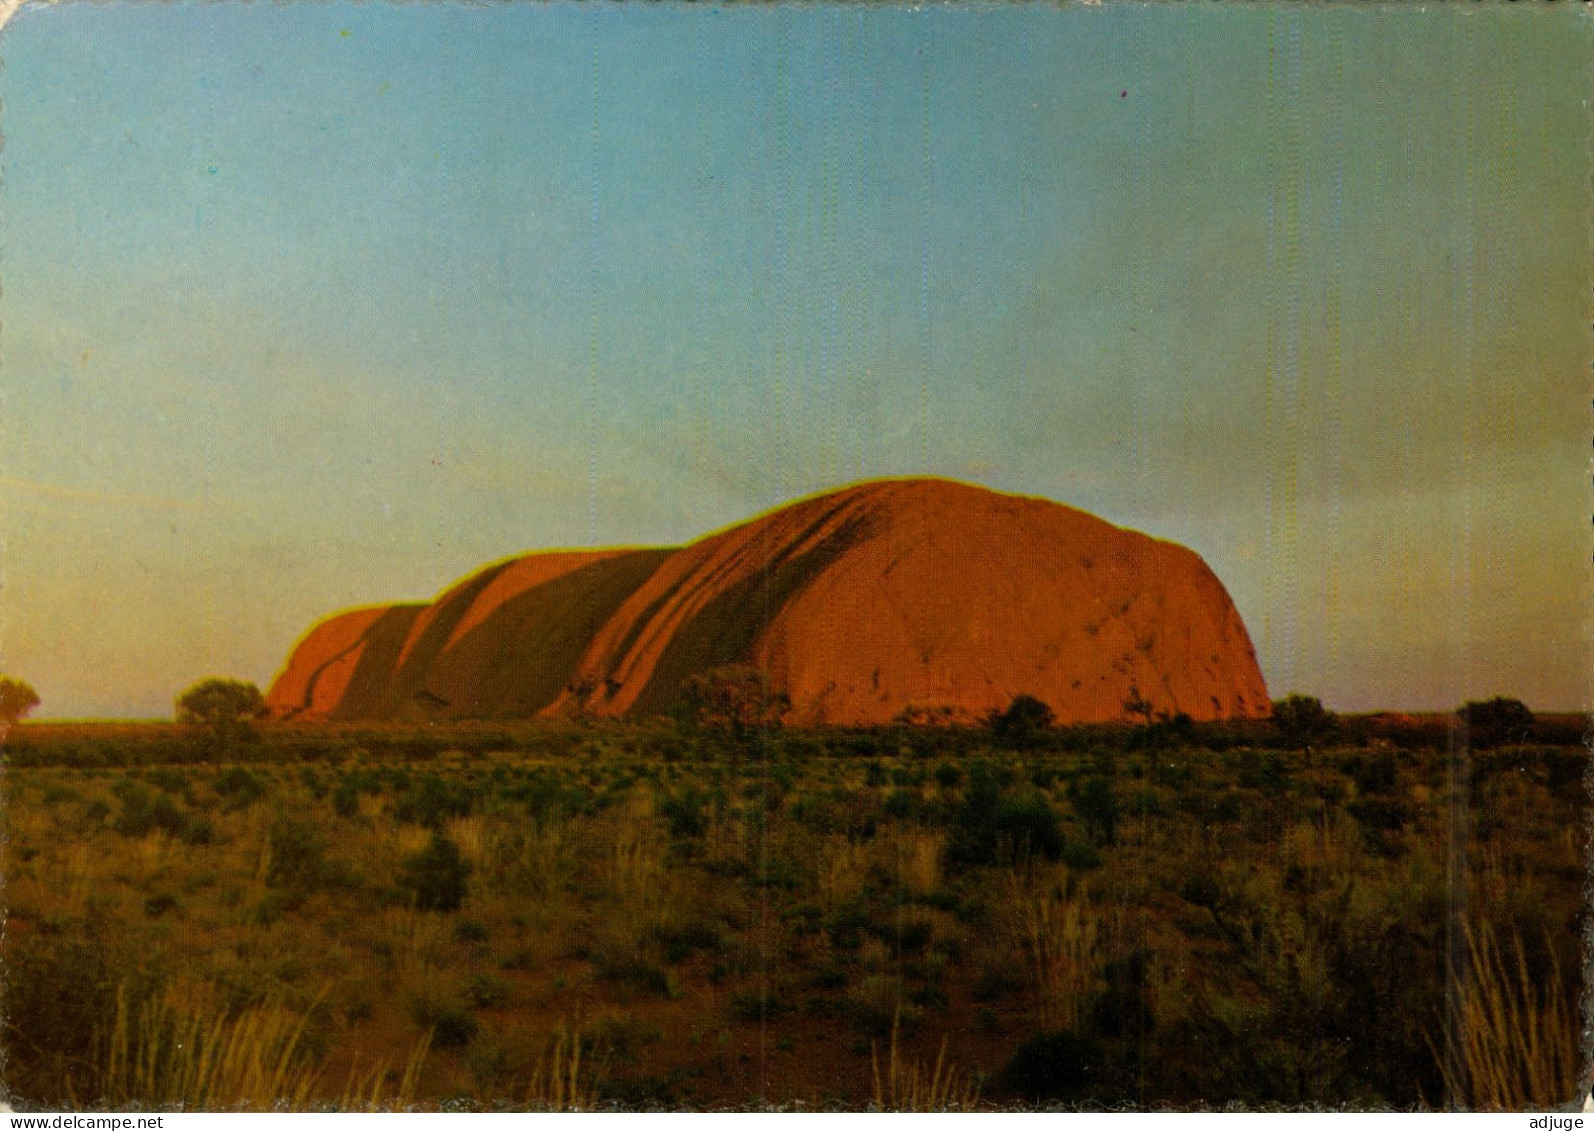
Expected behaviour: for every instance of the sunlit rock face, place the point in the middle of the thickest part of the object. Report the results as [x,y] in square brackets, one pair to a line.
[922,597]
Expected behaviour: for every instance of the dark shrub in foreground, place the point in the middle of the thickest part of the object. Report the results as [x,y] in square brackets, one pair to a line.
[1055,1067]
[992,826]
[437,876]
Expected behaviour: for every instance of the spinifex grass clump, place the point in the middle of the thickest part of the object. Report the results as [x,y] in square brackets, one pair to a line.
[1515,1046]
[901,1084]
[162,1055]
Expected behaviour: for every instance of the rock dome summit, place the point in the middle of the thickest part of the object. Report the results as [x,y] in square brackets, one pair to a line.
[889,598]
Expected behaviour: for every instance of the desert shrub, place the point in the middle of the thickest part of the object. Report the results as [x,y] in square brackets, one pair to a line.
[313,782]
[948,775]
[484,991]
[346,801]
[157,905]
[143,812]
[60,1007]
[1565,770]
[635,972]
[853,814]
[59,794]
[435,878]
[1097,805]
[1021,725]
[168,779]
[901,804]
[993,827]
[451,1024]
[1054,1067]
[298,855]
[759,1004]
[238,787]
[1080,855]
[550,798]
[1301,720]
[520,958]
[684,813]
[431,800]
[679,940]
[1379,813]
[1375,774]
[1496,722]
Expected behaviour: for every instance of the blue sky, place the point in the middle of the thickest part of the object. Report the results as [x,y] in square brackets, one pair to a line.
[313,305]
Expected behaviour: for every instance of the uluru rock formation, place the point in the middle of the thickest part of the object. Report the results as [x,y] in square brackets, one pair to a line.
[896,596]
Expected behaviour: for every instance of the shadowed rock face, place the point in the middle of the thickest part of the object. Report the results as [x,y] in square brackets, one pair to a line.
[902,595]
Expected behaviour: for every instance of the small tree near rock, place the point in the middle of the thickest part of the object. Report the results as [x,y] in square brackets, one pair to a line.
[1301,719]
[1497,722]
[1022,723]
[735,698]
[17,699]
[224,706]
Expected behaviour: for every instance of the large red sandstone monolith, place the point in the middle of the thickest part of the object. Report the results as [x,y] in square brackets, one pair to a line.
[919,596]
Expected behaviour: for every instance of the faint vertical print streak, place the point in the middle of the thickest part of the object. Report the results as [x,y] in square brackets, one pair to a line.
[1290,361]
[1488,167]
[1458,972]
[1334,368]
[926,196]
[854,313]
[1283,346]
[594,143]
[713,368]
[1373,367]
[980,377]
[829,221]
[1463,332]
[782,291]
[1141,383]
[1189,219]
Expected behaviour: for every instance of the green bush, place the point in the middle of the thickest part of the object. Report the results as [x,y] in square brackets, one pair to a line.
[298,856]
[1022,724]
[1054,1067]
[993,827]
[1097,805]
[346,801]
[483,991]
[435,878]
[143,812]
[684,814]
[431,800]
[1496,722]
[1301,720]
[238,787]
[452,1025]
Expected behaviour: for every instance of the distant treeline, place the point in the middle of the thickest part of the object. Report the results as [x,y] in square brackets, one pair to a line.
[120,744]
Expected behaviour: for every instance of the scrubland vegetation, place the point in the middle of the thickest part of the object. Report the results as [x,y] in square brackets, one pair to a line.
[1361,912]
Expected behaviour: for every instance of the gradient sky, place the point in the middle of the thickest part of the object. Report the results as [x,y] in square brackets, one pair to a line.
[315,305]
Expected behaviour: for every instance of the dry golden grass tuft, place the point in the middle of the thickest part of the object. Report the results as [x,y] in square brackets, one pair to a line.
[165,1053]
[907,1085]
[556,1083]
[1063,952]
[1518,1040]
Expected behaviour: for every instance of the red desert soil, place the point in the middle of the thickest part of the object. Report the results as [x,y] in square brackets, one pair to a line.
[860,604]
